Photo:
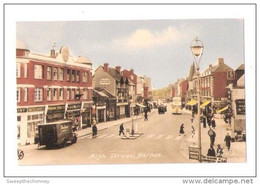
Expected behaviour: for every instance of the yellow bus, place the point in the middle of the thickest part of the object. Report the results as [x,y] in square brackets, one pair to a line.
[176,105]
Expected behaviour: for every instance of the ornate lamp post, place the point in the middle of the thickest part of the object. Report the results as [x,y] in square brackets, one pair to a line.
[197,48]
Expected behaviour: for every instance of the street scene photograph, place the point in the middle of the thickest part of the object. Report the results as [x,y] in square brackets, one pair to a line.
[130,92]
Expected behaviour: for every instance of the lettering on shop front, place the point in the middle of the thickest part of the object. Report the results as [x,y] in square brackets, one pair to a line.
[36,109]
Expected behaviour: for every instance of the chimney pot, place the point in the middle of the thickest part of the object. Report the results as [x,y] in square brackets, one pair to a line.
[106,67]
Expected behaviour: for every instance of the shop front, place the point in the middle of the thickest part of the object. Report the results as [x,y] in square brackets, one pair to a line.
[111,110]
[73,113]
[55,113]
[101,113]
[27,122]
[123,110]
[86,114]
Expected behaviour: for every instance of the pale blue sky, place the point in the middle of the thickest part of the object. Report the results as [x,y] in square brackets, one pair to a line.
[159,49]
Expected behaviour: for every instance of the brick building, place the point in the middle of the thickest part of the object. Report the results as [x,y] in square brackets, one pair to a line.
[50,88]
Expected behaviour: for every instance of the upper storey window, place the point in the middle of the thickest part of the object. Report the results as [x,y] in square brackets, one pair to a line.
[38,72]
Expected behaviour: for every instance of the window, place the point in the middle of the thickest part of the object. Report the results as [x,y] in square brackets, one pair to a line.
[68,94]
[85,93]
[68,74]
[25,67]
[85,77]
[18,118]
[38,72]
[48,73]
[25,94]
[73,75]
[18,70]
[73,94]
[38,94]
[55,94]
[18,94]
[55,73]
[61,72]
[48,94]
[61,94]
[77,77]
[77,91]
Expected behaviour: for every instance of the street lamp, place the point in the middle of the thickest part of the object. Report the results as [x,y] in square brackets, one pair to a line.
[197,48]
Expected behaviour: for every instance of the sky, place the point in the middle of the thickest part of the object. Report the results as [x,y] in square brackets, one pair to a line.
[159,49]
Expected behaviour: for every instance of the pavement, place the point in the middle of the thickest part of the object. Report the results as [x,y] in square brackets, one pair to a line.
[237,152]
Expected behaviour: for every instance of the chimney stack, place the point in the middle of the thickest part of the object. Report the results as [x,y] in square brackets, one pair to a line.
[53,54]
[220,61]
[106,67]
[210,66]
[118,68]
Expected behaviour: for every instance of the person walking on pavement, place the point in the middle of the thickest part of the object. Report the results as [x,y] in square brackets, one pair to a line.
[213,123]
[219,151]
[211,151]
[121,129]
[228,141]
[204,122]
[94,128]
[181,130]
[145,116]
[212,135]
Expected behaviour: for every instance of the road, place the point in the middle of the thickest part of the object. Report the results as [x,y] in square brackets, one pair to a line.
[160,143]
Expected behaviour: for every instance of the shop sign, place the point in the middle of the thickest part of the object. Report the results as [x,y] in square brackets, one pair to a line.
[36,109]
[21,110]
[104,81]
[74,106]
[240,106]
[57,107]
[87,105]
[194,152]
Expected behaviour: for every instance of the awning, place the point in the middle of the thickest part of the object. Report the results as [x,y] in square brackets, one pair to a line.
[205,104]
[192,102]
[221,110]
[140,105]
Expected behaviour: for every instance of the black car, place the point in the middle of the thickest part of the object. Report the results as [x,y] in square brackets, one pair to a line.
[161,109]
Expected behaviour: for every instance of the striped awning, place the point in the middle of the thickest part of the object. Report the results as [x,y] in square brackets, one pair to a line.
[192,102]
[205,104]
[221,110]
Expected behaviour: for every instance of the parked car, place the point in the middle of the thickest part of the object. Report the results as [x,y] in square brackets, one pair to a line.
[161,109]
[56,134]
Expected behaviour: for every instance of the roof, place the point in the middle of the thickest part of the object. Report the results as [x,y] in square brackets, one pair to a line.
[241,67]
[192,71]
[102,93]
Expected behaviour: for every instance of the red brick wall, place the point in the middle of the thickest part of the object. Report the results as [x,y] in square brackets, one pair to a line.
[39,83]
[220,84]
[184,86]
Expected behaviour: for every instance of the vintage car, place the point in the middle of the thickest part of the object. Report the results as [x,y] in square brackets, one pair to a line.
[162,109]
[56,134]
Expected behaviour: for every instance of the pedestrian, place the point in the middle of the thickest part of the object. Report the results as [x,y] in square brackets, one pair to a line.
[211,151]
[209,120]
[121,129]
[212,135]
[219,151]
[181,129]
[213,123]
[145,116]
[204,121]
[228,141]
[94,131]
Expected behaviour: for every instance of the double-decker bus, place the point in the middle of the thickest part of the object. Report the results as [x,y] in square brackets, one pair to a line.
[176,105]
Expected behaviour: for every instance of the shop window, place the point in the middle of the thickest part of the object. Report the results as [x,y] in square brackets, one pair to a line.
[18,94]
[18,70]
[85,77]
[25,94]
[25,68]
[61,74]
[55,73]
[38,94]
[49,72]
[61,94]
[48,94]
[38,72]
[68,75]
[77,76]
[29,117]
